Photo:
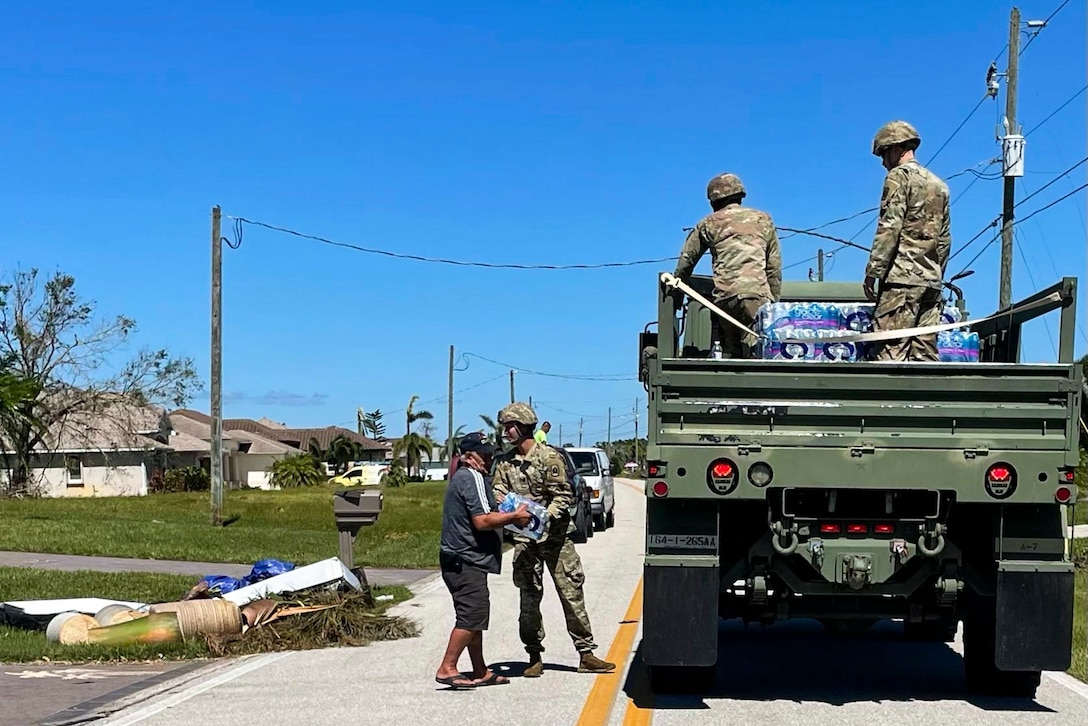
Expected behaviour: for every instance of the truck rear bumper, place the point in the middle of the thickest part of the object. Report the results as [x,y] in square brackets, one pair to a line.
[680,614]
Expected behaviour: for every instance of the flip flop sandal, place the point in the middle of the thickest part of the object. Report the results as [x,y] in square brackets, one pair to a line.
[493,680]
[452,682]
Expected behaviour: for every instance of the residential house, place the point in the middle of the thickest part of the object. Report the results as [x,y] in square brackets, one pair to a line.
[300,438]
[110,452]
[247,456]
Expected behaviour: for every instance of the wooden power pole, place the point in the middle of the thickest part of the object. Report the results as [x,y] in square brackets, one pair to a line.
[217,370]
[1012,148]
[449,392]
[511,386]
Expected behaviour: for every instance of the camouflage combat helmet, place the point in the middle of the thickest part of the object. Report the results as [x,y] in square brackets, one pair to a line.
[518,412]
[892,133]
[724,186]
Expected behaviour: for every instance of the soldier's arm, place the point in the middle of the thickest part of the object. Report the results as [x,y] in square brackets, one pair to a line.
[774,263]
[944,239]
[690,254]
[560,497]
[499,485]
[893,207]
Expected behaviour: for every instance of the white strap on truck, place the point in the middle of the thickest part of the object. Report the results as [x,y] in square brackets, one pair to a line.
[672,281]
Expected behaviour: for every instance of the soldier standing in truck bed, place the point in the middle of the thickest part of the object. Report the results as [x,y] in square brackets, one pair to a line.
[910,249]
[747,261]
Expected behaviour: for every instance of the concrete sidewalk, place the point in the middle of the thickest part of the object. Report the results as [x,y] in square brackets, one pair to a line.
[375,576]
[1080,531]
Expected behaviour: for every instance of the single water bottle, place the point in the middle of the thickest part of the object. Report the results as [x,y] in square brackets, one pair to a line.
[716,351]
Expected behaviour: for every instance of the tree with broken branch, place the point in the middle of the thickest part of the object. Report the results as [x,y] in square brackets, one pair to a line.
[54,341]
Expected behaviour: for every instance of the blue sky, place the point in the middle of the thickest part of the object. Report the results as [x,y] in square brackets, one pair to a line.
[497,132]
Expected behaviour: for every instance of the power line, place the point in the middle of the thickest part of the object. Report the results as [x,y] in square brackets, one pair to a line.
[603,377]
[1057,110]
[1040,28]
[1056,179]
[1018,239]
[844,242]
[962,124]
[1021,221]
[971,241]
[445,261]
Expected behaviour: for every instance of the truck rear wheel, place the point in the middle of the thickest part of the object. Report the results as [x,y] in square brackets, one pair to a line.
[983,675]
[682,679]
[931,631]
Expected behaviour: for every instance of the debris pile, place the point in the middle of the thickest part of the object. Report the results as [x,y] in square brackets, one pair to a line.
[276,607]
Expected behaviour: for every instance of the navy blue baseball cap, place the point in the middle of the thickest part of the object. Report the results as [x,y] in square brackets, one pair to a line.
[477,443]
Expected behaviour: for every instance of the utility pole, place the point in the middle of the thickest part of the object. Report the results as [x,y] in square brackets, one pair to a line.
[609,432]
[560,434]
[449,440]
[217,370]
[359,420]
[638,464]
[820,264]
[580,432]
[1013,149]
[511,385]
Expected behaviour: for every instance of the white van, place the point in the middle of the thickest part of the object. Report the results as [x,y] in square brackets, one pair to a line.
[592,463]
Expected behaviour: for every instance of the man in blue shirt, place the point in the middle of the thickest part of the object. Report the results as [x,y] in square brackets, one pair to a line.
[471,549]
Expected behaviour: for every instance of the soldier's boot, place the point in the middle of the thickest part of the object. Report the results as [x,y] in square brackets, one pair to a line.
[592,664]
[536,666]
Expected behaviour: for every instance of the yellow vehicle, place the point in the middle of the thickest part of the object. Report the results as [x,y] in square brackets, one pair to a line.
[365,475]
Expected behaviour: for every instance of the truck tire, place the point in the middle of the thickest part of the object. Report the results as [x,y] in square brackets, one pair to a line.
[983,676]
[610,520]
[682,679]
[578,536]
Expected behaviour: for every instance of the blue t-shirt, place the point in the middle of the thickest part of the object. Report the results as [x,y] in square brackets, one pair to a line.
[468,495]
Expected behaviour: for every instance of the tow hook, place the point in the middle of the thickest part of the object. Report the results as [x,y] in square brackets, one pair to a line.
[784,540]
[936,536]
[899,550]
[816,549]
[857,570]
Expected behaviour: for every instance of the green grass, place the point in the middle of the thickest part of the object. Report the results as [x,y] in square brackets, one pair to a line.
[294,525]
[25,646]
[1079,667]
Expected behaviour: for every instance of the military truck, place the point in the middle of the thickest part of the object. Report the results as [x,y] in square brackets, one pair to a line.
[856,492]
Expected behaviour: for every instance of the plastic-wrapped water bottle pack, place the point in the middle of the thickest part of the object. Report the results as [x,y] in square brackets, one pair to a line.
[810,324]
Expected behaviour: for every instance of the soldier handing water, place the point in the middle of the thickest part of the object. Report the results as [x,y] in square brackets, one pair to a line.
[537,471]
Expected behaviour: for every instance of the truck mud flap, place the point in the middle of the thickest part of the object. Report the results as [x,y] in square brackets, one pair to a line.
[680,615]
[1034,616]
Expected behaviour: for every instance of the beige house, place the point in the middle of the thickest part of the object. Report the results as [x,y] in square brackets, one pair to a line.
[247,456]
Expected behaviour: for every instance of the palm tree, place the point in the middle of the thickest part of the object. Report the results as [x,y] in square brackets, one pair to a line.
[18,415]
[411,415]
[342,451]
[300,470]
[413,447]
[451,444]
[495,428]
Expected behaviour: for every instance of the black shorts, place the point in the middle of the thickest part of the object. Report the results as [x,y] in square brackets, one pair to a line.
[471,599]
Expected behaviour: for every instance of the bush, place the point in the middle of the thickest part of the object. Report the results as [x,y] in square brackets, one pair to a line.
[396,476]
[186,479]
[301,470]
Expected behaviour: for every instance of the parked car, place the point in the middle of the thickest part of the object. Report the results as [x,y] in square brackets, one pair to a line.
[593,464]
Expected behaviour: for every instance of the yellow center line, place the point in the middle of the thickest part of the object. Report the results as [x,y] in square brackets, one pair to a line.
[636,715]
[636,487]
[602,696]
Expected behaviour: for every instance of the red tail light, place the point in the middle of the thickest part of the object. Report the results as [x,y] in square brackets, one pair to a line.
[883,529]
[1064,494]
[722,469]
[1067,476]
[829,528]
[999,473]
[857,528]
[660,489]
[1001,481]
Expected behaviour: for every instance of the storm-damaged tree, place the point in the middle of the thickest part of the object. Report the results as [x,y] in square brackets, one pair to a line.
[72,360]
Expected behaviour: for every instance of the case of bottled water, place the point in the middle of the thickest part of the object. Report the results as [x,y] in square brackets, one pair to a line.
[957,346]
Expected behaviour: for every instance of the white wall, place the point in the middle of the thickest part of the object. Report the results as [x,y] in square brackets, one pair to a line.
[252,469]
[97,481]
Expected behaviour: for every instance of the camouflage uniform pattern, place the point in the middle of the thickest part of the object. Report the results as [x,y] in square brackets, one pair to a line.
[912,237]
[909,256]
[541,475]
[907,306]
[747,268]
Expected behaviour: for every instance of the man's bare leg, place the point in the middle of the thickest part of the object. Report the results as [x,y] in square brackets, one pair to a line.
[459,640]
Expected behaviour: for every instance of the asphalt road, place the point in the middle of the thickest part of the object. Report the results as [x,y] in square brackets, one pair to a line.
[793,673]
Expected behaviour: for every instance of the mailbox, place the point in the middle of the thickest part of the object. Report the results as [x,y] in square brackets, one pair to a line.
[352,509]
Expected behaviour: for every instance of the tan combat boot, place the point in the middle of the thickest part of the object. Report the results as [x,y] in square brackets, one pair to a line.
[592,664]
[536,666]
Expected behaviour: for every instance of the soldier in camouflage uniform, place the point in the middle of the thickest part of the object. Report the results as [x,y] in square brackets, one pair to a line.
[747,261]
[537,471]
[910,250]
